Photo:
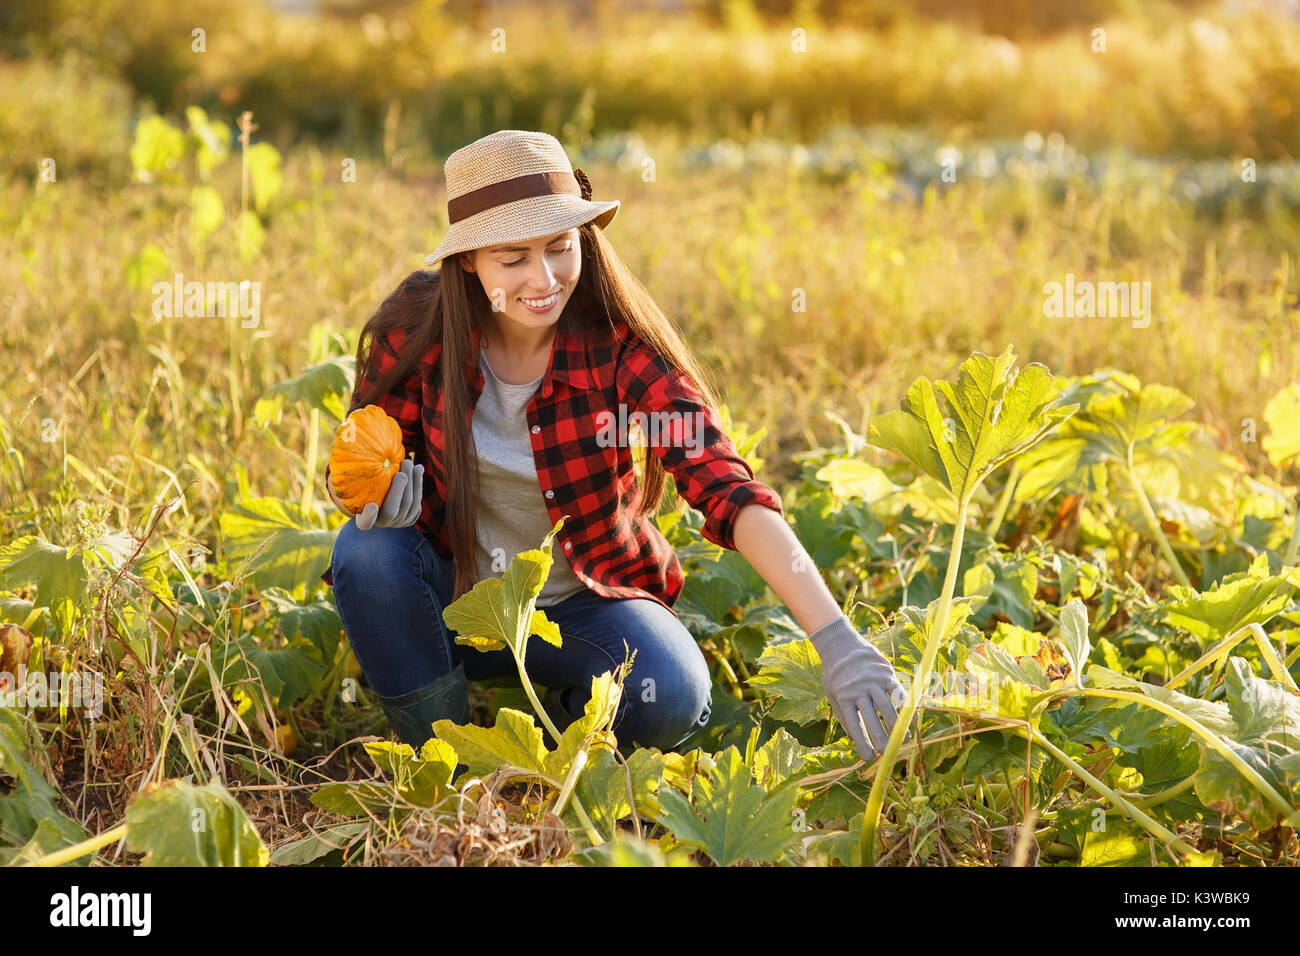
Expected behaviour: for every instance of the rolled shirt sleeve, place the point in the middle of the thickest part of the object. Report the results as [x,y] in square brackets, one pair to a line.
[687,434]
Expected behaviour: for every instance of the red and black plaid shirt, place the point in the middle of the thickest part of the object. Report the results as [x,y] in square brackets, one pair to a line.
[581,472]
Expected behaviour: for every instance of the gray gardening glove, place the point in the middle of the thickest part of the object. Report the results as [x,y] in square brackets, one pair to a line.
[858,679]
[401,506]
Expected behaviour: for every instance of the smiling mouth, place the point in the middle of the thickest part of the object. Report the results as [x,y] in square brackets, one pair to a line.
[545,303]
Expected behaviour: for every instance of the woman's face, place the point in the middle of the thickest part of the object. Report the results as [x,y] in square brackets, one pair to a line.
[528,282]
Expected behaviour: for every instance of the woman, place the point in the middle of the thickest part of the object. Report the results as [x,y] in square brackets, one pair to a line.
[513,371]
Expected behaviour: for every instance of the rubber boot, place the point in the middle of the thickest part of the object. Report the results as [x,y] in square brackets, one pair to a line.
[412,714]
[559,714]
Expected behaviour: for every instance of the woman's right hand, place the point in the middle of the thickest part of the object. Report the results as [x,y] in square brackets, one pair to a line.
[401,507]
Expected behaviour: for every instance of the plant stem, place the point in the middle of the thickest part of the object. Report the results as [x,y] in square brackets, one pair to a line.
[1220,650]
[570,781]
[1210,737]
[536,701]
[592,834]
[867,843]
[1162,796]
[1270,655]
[91,845]
[1000,513]
[1153,523]
[1168,837]
[723,665]
[233,372]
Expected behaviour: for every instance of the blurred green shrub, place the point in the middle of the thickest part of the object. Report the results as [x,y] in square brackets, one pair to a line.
[65,111]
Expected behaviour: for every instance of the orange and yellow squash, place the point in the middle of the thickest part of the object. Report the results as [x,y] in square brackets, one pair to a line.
[366,454]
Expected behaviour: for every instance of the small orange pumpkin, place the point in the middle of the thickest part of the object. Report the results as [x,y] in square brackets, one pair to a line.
[366,454]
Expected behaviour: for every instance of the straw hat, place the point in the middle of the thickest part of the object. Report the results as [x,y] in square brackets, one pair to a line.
[514,185]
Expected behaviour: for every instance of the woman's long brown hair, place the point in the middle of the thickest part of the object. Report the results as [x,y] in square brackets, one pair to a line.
[445,305]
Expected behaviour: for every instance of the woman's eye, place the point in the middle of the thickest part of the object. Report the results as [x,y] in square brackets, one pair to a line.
[554,252]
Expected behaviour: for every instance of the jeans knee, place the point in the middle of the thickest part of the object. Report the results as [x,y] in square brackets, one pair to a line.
[664,709]
[373,555]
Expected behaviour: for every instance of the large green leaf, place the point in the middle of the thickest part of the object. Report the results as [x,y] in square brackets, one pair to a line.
[1267,717]
[326,385]
[1008,586]
[1118,416]
[315,845]
[1265,711]
[779,759]
[791,673]
[207,213]
[1074,637]
[589,730]
[50,832]
[355,799]
[1282,415]
[174,823]
[853,478]
[1167,761]
[500,612]
[297,550]
[626,850]
[733,818]
[1248,597]
[1117,845]
[59,574]
[603,786]
[515,739]
[821,529]
[988,416]
[288,674]
[718,586]
[422,779]
[1120,421]
[318,621]
[211,138]
[30,815]
[1211,714]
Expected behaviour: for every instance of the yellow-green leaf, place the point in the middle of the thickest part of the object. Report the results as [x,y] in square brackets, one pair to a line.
[174,823]
[514,740]
[1282,415]
[989,415]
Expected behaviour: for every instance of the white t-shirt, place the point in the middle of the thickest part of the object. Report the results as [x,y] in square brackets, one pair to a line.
[511,512]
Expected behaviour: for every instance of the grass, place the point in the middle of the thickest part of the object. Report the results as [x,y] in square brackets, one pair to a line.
[107,411]
[899,288]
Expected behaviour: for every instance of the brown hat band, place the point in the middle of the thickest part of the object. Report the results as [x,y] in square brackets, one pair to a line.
[508,190]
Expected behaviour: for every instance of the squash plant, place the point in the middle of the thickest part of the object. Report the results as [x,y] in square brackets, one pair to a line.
[958,434]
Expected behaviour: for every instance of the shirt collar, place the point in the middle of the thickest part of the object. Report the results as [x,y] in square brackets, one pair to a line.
[571,360]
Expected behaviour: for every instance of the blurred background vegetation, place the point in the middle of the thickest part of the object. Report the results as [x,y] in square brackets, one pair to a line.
[773,171]
[831,197]
[1175,77]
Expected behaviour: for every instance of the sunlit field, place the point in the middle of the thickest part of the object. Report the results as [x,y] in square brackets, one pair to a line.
[839,214]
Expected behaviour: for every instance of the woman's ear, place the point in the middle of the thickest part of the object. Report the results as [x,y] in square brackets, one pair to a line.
[467,261]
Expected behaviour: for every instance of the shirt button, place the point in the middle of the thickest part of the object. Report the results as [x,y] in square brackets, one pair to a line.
[536,429]
[568,546]
[550,493]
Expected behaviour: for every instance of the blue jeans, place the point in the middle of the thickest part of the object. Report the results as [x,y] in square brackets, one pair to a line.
[391,586]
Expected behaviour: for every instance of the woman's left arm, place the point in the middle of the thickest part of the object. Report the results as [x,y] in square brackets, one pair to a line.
[745,515]
[858,679]
[765,540]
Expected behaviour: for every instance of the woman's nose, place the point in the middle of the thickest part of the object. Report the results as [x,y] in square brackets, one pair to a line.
[543,278]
